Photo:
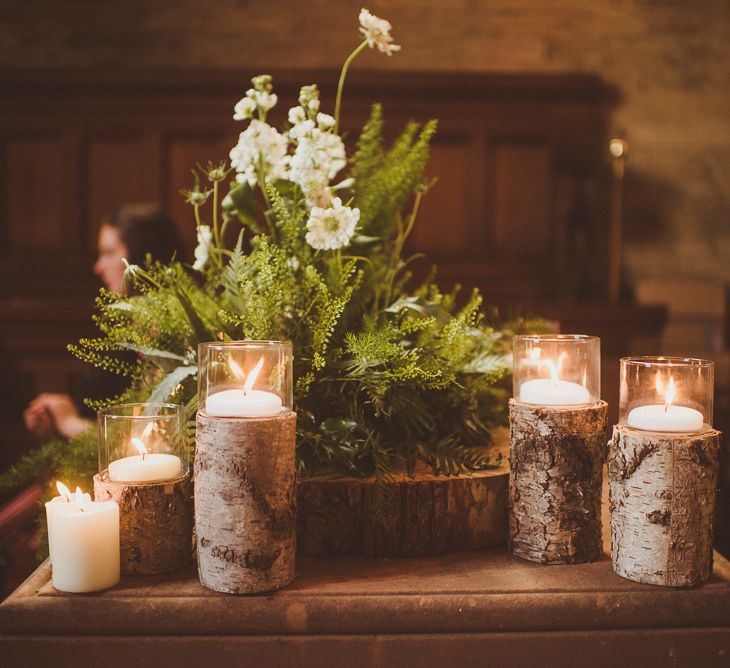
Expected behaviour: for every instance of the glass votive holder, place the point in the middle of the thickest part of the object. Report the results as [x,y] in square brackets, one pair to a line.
[249,379]
[142,443]
[556,369]
[666,394]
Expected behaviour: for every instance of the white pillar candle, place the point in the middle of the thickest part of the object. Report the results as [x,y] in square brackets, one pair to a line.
[83,538]
[549,392]
[150,467]
[671,418]
[240,403]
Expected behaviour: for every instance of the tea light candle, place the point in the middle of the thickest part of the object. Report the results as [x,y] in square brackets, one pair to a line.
[553,391]
[145,467]
[548,392]
[245,402]
[666,417]
[83,539]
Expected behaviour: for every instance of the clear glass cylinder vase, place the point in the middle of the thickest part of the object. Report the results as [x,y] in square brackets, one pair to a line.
[556,369]
[142,443]
[245,379]
[666,394]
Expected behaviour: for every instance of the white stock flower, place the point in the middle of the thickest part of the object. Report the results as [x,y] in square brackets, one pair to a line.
[325,121]
[203,248]
[331,228]
[244,109]
[317,159]
[260,146]
[377,32]
[297,115]
[265,100]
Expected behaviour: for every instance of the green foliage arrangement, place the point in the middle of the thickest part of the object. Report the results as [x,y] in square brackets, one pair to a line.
[386,375]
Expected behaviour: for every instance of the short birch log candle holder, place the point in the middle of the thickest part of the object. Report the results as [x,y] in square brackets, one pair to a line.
[663,468]
[245,468]
[144,467]
[557,449]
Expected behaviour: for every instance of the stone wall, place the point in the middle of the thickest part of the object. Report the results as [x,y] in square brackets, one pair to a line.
[670,59]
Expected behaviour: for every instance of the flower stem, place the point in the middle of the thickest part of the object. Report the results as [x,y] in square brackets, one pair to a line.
[216,235]
[341,84]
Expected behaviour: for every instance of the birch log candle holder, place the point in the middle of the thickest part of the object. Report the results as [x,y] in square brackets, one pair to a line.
[663,468]
[557,447]
[245,469]
[144,467]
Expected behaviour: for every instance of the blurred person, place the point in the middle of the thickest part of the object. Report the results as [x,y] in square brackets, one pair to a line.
[130,232]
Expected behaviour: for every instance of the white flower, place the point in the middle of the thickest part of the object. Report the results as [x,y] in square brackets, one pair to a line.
[325,121]
[260,146]
[203,247]
[313,106]
[377,32]
[317,159]
[333,227]
[244,109]
[301,129]
[265,100]
[297,115]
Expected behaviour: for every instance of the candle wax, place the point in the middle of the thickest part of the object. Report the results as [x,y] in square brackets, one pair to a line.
[154,466]
[658,418]
[237,403]
[85,545]
[548,392]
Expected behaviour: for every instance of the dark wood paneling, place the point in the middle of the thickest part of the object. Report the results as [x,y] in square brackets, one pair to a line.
[118,170]
[181,155]
[35,168]
[444,228]
[522,201]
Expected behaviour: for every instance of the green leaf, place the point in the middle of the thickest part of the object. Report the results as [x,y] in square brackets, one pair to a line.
[201,331]
[164,359]
[165,387]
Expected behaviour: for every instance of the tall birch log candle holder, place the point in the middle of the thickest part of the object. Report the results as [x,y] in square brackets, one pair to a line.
[144,467]
[663,468]
[557,448]
[245,469]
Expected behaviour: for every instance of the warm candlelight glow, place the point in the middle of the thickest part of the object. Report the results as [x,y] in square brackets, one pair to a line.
[237,370]
[669,394]
[253,375]
[81,500]
[64,491]
[554,369]
[139,444]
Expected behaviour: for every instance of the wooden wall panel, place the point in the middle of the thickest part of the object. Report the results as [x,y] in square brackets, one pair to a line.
[181,155]
[522,200]
[118,170]
[35,221]
[443,226]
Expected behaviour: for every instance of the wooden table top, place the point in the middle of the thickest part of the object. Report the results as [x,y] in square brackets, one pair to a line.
[463,592]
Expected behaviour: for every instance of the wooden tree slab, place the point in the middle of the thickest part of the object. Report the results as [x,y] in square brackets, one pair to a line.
[662,495]
[245,513]
[556,459]
[155,523]
[429,514]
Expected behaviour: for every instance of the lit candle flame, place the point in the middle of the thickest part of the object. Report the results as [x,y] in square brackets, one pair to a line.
[669,394]
[147,431]
[552,370]
[237,370]
[139,444]
[64,491]
[80,499]
[253,375]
